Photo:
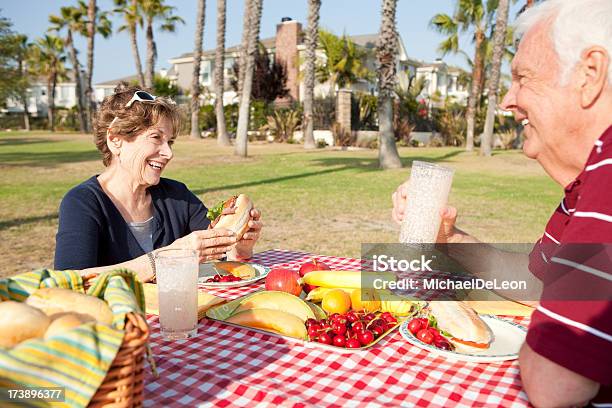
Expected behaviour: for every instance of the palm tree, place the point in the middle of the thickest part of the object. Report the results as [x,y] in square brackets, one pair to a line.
[312,37]
[49,54]
[245,99]
[71,20]
[132,17]
[195,79]
[343,65]
[222,136]
[156,10]
[388,157]
[499,45]
[244,43]
[96,23]
[469,15]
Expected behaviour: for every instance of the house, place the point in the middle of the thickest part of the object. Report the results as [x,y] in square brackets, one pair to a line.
[287,46]
[38,100]
[442,81]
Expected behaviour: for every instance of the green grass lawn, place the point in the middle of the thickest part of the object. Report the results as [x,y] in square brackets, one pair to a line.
[324,201]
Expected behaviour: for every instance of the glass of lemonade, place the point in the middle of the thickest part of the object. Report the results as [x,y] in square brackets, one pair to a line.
[428,191]
[177,288]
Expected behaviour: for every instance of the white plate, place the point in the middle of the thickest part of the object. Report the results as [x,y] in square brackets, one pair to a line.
[508,339]
[206,272]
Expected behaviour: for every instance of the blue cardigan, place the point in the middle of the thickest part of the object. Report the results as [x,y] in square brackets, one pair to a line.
[92,231]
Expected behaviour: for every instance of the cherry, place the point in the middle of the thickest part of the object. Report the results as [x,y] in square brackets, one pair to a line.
[425,336]
[325,338]
[377,330]
[352,317]
[414,326]
[338,328]
[310,322]
[352,343]
[358,327]
[339,340]
[366,337]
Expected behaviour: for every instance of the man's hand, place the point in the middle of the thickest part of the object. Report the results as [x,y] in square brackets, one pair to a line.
[244,247]
[548,384]
[448,233]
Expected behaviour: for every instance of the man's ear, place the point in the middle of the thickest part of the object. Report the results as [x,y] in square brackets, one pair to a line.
[593,74]
[114,143]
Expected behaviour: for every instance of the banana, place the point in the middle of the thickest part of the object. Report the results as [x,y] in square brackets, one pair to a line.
[277,300]
[316,295]
[274,321]
[394,304]
[318,312]
[346,279]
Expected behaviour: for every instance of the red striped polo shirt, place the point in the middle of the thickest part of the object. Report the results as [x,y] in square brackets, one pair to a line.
[572,326]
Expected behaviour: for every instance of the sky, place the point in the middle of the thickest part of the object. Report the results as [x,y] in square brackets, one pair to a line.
[113,56]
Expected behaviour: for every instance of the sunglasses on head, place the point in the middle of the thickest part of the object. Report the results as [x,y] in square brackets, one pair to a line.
[141,96]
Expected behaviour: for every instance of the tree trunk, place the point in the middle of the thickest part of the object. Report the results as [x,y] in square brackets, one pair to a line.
[76,75]
[195,80]
[23,94]
[150,69]
[388,157]
[222,136]
[312,35]
[26,112]
[499,38]
[51,100]
[134,43]
[91,33]
[242,58]
[474,91]
[245,99]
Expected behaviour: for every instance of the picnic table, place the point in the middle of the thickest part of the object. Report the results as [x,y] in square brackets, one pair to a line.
[230,366]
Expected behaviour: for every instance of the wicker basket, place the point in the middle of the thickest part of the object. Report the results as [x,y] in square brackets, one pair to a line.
[123,385]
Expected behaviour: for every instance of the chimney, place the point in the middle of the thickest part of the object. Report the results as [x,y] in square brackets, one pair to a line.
[287,40]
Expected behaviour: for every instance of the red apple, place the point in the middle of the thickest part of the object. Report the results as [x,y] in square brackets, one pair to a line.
[284,280]
[310,266]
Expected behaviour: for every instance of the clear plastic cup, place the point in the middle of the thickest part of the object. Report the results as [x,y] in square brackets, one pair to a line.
[177,288]
[428,191]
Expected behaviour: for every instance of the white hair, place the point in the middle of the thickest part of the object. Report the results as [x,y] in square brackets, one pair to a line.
[576,25]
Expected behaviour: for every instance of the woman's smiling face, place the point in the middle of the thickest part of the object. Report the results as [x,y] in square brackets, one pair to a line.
[145,156]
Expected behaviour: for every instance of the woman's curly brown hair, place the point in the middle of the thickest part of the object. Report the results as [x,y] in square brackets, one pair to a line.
[133,120]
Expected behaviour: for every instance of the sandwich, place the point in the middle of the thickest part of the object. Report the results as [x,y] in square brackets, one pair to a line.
[238,222]
[461,325]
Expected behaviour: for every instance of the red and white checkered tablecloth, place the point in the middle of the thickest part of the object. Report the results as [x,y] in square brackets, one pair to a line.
[231,366]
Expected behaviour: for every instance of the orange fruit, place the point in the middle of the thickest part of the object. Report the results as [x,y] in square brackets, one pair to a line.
[336,301]
[365,299]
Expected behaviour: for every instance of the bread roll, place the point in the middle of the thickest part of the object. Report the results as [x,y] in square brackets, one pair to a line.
[19,322]
[63,322]
[57,300]
[460,320]
[239,221]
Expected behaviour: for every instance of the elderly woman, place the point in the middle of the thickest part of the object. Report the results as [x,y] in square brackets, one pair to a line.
[122,216]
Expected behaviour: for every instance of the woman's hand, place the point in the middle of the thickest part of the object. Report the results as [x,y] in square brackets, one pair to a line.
[244,247]
[209,244]
[448,233]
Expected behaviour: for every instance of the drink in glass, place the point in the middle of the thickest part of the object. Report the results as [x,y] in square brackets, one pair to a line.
[177,288]
[428,191]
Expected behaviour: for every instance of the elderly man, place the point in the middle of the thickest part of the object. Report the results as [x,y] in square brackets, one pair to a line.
[562,94]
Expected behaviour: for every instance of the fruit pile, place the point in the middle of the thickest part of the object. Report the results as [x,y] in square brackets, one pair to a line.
[351,329]
[223,278]
[422,329]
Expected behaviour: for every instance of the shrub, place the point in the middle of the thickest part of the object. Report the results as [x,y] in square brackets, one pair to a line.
[283,123]
[321,144]
[207,117]
[342,137]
